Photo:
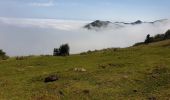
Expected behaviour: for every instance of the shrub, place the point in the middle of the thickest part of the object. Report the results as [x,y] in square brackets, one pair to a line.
[156,38]
[56,52]
[167,35]
[62,51]
[3,55]
[148,39]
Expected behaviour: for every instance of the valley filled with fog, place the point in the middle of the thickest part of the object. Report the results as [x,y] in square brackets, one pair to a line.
[40,36]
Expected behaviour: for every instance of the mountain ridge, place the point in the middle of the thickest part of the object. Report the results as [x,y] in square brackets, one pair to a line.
[97,24]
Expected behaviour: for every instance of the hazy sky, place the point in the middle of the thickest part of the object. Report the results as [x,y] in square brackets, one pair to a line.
[37,26]
[118,10]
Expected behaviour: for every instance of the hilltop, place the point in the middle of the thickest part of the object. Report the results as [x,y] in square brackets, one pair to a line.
[140,72]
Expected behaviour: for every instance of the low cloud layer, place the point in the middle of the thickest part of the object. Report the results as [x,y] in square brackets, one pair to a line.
[40,36]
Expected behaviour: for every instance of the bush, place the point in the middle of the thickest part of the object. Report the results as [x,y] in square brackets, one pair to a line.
[148,39]
[3,55]
[167,35]
[156,38]
[56,52]
[62,51]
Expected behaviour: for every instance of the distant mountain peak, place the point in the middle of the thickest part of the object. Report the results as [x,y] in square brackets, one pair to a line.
[137,22]
[97,24]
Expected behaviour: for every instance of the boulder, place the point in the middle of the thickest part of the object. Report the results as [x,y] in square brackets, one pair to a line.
[51,78]
[80,70]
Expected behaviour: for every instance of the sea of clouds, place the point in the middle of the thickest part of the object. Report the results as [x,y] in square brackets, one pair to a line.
[40,36]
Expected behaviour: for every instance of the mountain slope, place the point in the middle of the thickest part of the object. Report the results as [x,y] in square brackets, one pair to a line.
[141,72]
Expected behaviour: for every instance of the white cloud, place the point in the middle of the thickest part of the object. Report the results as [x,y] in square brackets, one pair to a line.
[44,23]
[49,3]
[40,36]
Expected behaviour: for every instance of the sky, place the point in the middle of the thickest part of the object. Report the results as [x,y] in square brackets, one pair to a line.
[116,10]
[35,27]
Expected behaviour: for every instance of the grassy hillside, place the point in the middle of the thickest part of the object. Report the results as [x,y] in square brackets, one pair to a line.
[134,73]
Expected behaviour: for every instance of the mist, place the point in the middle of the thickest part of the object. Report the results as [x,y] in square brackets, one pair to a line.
[19,37]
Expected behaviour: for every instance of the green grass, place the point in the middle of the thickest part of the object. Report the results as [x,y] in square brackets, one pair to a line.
[134,73]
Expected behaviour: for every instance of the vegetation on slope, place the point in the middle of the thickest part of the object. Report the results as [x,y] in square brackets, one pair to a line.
[156,38]
[135,73]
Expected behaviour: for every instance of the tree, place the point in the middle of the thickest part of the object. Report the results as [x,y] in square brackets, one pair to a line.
[158,37]
[62,51]
[56,52]
[3,55]
[167,35]
[148,39]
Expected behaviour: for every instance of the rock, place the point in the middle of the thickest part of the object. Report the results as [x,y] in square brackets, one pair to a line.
[86,91]
[135,91]
[51,78]
[80,70]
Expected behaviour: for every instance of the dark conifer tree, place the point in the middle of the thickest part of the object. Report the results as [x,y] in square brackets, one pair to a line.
[148,39]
